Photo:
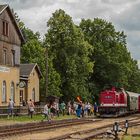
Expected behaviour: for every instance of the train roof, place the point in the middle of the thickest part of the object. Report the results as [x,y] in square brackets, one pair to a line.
[133,94]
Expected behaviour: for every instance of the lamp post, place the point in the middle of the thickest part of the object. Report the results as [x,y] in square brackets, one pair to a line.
[126,126]
[115,129]
[46,52]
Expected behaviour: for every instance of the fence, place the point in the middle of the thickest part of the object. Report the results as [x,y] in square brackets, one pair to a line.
[20,110]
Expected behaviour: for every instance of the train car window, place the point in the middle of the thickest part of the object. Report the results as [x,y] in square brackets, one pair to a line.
[108,97]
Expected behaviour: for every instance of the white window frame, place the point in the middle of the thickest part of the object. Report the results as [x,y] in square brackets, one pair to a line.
[4,91]
[12,94]
[4,57]
[33,94]
[13,57]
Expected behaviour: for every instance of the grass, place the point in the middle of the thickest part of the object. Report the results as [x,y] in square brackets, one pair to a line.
[35,118]
[128,137]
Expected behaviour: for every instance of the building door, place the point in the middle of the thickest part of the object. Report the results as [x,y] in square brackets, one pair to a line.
[21,96]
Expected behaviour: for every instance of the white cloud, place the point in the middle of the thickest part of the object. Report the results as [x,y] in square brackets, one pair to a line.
[124,14]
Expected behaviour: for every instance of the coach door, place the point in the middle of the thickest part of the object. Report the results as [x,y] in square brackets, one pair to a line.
[21,96]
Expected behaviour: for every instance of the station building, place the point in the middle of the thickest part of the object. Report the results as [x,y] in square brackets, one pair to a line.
[29,82]
[13,83]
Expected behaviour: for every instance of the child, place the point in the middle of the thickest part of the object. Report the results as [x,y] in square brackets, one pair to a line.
[46,112]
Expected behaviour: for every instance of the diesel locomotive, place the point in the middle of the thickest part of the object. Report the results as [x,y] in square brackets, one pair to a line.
[116,102]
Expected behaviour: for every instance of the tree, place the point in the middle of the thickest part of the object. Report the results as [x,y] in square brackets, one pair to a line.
[112,60]
[34,52]
[69,54]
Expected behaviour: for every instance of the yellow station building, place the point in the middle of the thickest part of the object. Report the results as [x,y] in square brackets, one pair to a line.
[13,83]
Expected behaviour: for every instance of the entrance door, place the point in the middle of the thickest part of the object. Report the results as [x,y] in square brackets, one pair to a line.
[21,96]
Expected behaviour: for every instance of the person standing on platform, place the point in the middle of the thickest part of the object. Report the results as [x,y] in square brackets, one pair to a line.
[95,108]
[63,107]
[31,107]
[46,112]
[10,108]
[79,109]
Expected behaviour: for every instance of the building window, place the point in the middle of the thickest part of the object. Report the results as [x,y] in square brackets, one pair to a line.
[12,96]
[13,57]
[3,91]
[21,96]
[5,28]
[4,57]
[33,94]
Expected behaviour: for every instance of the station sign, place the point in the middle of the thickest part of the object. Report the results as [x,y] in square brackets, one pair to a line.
[4,69]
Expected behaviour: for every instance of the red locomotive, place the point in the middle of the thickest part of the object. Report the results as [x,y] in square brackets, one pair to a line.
[118,102]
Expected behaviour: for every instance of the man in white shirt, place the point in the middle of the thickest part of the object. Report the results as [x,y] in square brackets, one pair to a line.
[46,112]
[10,108]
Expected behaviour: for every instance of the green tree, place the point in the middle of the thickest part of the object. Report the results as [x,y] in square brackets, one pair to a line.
[70,55]
[134,77]
[112,60]
[34,52]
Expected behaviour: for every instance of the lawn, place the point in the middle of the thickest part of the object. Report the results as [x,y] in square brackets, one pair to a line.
[128,137]
[35,118]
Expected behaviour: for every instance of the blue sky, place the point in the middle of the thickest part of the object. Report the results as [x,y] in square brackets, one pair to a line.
[124,14]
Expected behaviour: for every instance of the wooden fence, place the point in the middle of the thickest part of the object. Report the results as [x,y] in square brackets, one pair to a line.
[20,110]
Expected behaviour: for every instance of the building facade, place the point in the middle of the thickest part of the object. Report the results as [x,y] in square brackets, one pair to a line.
[29,82]
[10,42]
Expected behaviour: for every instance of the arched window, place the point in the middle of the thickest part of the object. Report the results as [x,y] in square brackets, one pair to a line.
[12,95]
[4,91]
[33,94]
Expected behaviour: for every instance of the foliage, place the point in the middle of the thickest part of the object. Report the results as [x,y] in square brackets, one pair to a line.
[69,53]
[34,52]
[113,63]
[73,51]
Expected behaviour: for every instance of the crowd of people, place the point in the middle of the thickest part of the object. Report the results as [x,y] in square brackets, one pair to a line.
[80,109]
[30,106]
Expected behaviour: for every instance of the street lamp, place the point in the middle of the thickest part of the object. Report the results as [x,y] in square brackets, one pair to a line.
[46,57]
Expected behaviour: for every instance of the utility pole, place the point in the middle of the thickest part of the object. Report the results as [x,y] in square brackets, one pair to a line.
[46,72]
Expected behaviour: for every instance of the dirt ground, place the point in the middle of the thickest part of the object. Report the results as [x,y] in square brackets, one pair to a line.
[44,135]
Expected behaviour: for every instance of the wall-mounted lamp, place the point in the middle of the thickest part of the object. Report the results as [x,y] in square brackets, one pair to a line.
[21,84]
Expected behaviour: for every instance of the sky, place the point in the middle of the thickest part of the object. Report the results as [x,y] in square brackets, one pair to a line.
[124,15]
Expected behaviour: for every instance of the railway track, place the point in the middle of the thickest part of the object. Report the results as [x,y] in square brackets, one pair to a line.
[6,131]
[31,127]
[95,132]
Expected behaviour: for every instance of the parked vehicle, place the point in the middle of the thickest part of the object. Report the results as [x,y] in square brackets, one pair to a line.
[118,102]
